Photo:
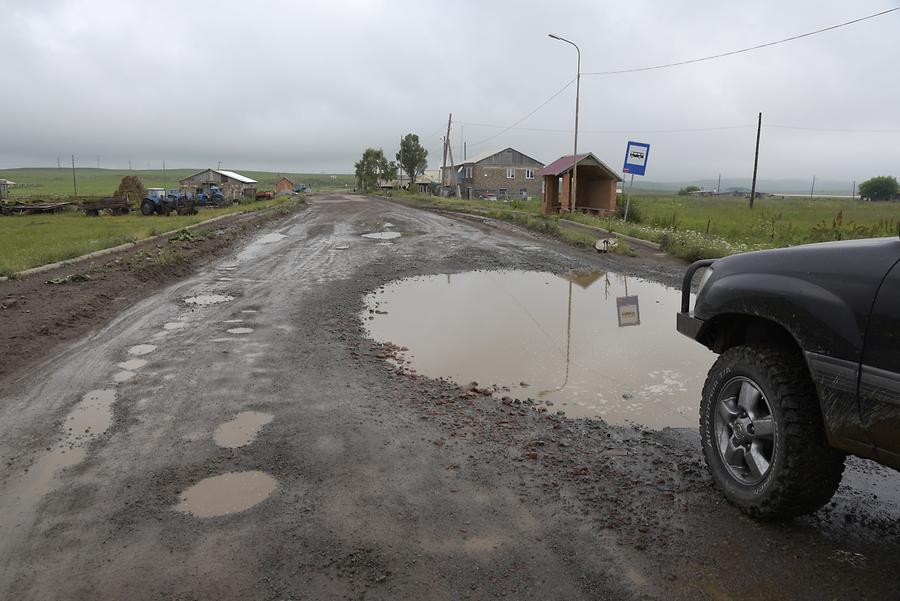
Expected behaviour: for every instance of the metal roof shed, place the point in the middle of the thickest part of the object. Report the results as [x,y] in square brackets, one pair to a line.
[596,185]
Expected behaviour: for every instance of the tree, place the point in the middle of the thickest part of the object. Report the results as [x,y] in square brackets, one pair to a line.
[883,187]
[132,188]
[373,166]
[412,157]
[687,190]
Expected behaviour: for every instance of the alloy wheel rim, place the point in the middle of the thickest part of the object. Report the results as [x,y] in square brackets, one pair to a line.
[745,430]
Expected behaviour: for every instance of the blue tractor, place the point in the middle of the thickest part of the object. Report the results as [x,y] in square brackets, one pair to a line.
[159,202]
[215,197]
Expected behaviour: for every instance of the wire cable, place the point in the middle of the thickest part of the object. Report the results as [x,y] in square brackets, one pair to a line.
[611,131]
[742,50]
[542,105]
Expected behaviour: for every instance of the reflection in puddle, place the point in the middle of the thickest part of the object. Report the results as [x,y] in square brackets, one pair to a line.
[241,430]
[132,364]
[383,235]
[208,299]
[239,330]
[590,344]
[228,493]
[142,349]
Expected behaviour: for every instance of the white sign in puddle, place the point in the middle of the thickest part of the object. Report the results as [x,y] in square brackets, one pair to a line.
[560,334]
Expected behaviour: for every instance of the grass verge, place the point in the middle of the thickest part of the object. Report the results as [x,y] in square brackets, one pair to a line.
[28,241]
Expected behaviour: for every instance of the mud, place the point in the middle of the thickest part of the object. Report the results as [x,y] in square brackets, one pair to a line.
[204,300]
[390,485]
[225,494]
[558,339]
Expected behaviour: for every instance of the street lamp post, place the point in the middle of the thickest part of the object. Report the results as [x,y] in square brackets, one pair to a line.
[577,96]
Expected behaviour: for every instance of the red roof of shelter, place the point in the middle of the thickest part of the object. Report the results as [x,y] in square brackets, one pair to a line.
[564,163]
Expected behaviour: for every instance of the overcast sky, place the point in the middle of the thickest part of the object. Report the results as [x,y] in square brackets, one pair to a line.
[307,86]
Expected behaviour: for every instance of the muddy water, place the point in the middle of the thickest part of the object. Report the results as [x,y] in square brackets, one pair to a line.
[141,349]
[203,300]
[90,418]
[239,330]
[383,235]
[242,430]
[554,338]
[228,493]
[132,364]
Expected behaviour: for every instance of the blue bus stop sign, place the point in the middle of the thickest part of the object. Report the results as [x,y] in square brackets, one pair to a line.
[636,155]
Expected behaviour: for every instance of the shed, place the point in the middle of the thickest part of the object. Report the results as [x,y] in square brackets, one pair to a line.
[284,186]
[5,185]
[596,185]
[233,185]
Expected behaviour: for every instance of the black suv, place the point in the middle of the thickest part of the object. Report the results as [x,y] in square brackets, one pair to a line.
[808,370]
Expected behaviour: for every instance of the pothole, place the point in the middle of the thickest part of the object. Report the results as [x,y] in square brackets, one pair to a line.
[270,238]
[226,494]
[175,325]
[590,344]
[382,235]
[142,349]
[132,364]
[123,376]
[239,330]
[202,300]
[242,430]
[233,321]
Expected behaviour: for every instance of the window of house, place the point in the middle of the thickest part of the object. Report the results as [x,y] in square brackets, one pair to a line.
[467,173]
[529,174]
[502,193]
[511,173]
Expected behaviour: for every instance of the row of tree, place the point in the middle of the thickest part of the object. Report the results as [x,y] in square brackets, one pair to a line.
[373,167]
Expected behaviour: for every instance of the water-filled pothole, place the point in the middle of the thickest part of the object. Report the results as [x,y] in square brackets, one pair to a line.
[202,300]
[227,493]
[591,344]
[132,364]
[239,330]
[242,430]
[382,235]
[142,349]
[175,325]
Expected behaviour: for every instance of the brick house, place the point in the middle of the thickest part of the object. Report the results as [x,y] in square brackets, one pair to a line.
[504,174]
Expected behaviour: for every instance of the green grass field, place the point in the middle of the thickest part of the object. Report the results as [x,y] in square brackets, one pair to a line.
[31,240]
[54,183]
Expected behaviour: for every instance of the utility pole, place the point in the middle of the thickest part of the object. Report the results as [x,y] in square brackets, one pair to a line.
[58,166]
[98,161]
[444,179]
[400,171]
[719,184]
[74,182]
[853,191]
[813,187]
[129,164]
[464,151]
[755,162]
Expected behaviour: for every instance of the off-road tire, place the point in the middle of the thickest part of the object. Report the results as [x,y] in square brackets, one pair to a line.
[147,208]
[805,471]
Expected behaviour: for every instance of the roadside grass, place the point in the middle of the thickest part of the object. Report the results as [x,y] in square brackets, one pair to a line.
[28,241]
[701,228]
[50,183]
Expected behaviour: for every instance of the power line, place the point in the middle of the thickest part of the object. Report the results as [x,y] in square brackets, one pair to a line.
[542,105]
[608,131]
[733,52]
[837,129]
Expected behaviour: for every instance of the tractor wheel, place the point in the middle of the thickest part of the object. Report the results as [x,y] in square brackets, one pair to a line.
[147,208]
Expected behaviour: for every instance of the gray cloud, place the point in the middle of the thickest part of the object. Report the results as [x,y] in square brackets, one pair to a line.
[307,86]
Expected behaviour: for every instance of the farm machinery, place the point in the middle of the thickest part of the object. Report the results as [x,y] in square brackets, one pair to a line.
[160,202]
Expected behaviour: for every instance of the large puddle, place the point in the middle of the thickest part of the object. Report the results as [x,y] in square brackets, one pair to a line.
[591,344]
[228,493]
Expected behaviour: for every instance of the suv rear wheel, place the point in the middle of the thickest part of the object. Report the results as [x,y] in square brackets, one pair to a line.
[762,433]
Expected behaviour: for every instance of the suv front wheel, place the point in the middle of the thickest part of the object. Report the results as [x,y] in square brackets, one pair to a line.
[762,433]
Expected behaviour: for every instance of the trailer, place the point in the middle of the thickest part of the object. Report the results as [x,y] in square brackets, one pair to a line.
[115,206]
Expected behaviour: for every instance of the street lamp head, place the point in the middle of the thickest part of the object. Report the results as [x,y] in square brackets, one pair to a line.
[554,36]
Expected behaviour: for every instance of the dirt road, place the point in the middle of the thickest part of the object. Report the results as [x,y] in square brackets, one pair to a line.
[364,483]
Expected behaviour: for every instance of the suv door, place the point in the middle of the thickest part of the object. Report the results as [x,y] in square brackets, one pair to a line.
[879,390]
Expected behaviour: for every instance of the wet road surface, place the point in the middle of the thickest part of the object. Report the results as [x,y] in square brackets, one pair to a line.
[263,448]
